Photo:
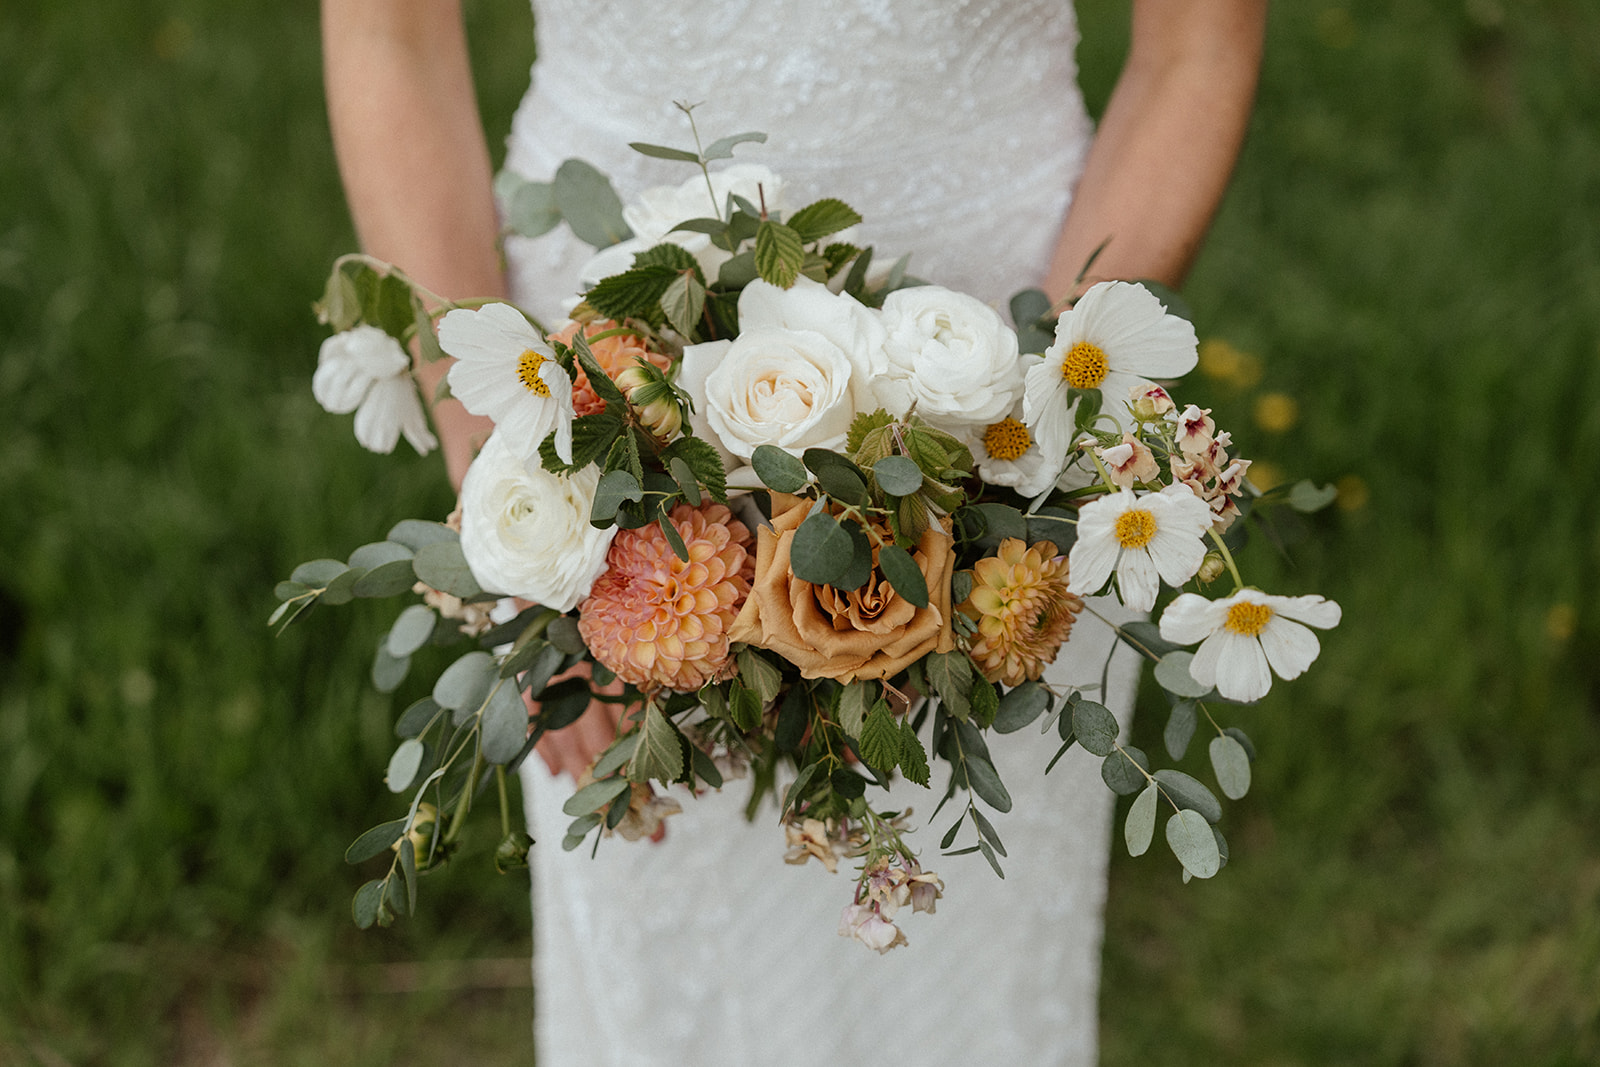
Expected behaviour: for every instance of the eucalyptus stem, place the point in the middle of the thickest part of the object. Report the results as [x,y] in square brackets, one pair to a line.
[465,803]
[505,805]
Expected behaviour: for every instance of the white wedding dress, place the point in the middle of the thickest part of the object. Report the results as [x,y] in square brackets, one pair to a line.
[957,129]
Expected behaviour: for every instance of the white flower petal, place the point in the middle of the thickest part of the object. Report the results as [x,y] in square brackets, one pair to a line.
[1137,579]
[391,405]
[1311,610]
[1177,555]
[1241,666]
[1289,647]
[1191,618]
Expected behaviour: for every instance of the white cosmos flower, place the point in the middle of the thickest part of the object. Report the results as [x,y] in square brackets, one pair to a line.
[1007,453]
[1241,636]
[1141,539]
[1117,336]
[506,371]
[526,532]
[364,370]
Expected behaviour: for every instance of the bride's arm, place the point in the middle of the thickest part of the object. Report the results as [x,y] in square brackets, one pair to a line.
[413,159]
[1166,144]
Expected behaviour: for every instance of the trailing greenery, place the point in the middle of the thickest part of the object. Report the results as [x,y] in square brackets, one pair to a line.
[1410,256]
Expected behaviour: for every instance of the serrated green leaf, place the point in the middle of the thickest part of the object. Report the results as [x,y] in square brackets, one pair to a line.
[913,757]
[1021,706]
[659,755]
[403,765]
[703,461]
[1172,674]
[1140,827]
[880,740]
[1232,765]
[854,700]
[635,293]
[779,254]
[1188,792]
[759,675]
[1095,727]
[1194,844]
[822,218]
[591,207]
[906,577]
[682,303]
[1180,728]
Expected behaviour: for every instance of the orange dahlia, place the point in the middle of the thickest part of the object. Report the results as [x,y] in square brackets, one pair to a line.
[1023,610]
[614,354]
[659,622]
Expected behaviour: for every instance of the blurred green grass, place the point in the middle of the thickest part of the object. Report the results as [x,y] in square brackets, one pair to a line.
[1411,251]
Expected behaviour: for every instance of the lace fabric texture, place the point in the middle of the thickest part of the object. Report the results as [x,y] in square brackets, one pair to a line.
[957,129]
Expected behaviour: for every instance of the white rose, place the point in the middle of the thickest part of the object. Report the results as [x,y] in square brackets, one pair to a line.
[951,355]
[796,376]
[366,371]
[526,532]
[653,216]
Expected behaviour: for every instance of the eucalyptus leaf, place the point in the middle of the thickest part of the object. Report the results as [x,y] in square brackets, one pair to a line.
[388,671]
[530,209]
[442,566]
[374,841]
[591,207]
[388,579]
[986,831]
[595,796]
[290,590]
[415,533]
[722,147]
[859,570]
[960,587]
[985,781]
[368,900]
[403,765]
[656,151]
[1120,773]
[1194,844]
[1243,739]
[341,590]
[408,867]
[465,684]
[794,715]
[1140,826]
[1180,728]
[904,574]
[615,757]
[416,718]
[411,630]
[778,470]
[684,475]
[564,703]
[1172,674]
[1145,638]
[988,854]
[1095,727]
[1022,705]
[378,553]
[1306,496]
[821,549]
[504,726]
[674,538]
[563,634]
[1232,765]
[1188,792]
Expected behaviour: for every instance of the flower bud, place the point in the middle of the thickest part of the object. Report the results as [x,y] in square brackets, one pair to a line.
[634,377]
[662,417]
[1211,568]
[421,834]
[512,855]
[1149,402]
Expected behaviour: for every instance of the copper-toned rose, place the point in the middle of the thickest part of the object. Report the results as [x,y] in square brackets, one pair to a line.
[866,633]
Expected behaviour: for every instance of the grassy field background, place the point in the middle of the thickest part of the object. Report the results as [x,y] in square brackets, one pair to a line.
[1410,259]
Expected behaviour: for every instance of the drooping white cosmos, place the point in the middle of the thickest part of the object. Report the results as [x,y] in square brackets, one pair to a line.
[506,371]
[1144,540]
[1117,336]
[364,370]
[1006,452]
[526,532]
[1247,637]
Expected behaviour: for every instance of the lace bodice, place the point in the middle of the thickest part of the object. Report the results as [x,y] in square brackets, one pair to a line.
[954,126]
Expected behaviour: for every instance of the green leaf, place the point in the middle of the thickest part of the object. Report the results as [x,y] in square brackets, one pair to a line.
[403,765]
[986,831]
[684,476]
[759,674]
[703,461]
[847,784]
[1029,309]
[592,437]
[387,579]
[1180,728]
[823,218]
[1145,638]
[1172,674]
[411,630]
[1194,844]
[388,671]
[1307,497]
[988,854]
[880,740]
[408,867]
[563,633]
[779,254]
[1141,825]
[1232,764]
[906,577]
[443,566]
[660,754]
[504,726]
[704,768]
[591,207]
[415,533]
[317,573]
[837,476]
[985,782]
[530,209]
[1095,727]
[616,756]
[416,718]
[1187,792]
[634,293]
[595,796]
[797,789]
[427,339]
[562,704]
[950,676]
[821,549]
[613,488]
[1020,707]
[668,254]
[722,147]
[290,590]
[1120,773]
[778,470]
[854,700]
[377,554]
[794,715]
[1243,739]
[656,151]
[738,272]
[368,901]
[374,841]
[897,475]
[960,587]
[465,684]
[985,703]
[913,757]
[674,538]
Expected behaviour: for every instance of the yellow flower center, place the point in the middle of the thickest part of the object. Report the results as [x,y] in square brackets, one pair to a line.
[1248,619]
[528,372]
[1085,366]
[1007,439]
[1135,528]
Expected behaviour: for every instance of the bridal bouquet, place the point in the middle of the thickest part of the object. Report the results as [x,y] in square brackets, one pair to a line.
[805,521]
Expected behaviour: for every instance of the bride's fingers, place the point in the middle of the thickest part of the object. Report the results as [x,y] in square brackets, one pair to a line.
[571,750]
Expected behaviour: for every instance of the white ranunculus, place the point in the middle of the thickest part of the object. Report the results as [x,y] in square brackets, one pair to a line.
[795,377]
[653,216]
[951,355]
[526,532]
[366,371]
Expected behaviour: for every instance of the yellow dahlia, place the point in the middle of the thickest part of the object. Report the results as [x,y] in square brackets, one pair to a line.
[1022,608]
[659,622]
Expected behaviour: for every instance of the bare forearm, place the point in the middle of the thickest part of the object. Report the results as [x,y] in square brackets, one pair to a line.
[413,159]
[1166,145]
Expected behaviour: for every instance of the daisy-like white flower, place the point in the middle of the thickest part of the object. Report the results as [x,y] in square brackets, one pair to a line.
[364,370]
[506,371]
[1007,453]
[1117,336]
[1141,539]
[1244,635]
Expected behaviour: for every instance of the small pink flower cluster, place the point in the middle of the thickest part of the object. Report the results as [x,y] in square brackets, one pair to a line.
[1202,463]
[885,889]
